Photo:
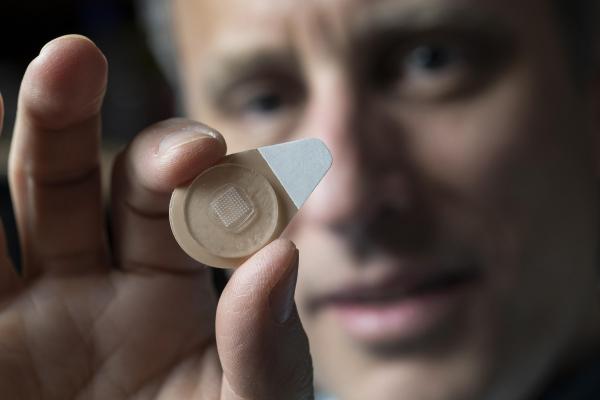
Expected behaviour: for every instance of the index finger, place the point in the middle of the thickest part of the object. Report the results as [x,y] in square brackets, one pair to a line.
[162,157]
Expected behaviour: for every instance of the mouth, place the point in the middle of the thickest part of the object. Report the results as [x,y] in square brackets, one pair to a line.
[401,308]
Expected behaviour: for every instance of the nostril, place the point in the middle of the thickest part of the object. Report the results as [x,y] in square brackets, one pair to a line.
[386,229]
[395,188]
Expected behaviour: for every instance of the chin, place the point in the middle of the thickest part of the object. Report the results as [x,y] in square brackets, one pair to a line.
[389,381]
[469,362]
[452,356]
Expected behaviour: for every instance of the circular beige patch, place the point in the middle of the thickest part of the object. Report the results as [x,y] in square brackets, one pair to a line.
[231,210]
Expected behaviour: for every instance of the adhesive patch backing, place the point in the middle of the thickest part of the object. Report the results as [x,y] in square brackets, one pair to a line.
[232,210]
[299,165]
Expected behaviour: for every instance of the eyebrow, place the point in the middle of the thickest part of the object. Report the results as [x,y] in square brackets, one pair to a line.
[236,67]
[383,21]
[425,18]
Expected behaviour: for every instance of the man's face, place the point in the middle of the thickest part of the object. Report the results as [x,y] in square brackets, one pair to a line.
[449,252]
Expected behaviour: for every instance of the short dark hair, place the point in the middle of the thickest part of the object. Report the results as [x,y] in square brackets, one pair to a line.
[579,20]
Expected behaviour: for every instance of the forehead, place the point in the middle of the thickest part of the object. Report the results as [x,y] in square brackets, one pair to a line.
[246,21]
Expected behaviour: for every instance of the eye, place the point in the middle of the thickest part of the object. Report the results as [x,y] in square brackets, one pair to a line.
[265,102]
[433,70]
[261,98]
[265,106]
[432,58]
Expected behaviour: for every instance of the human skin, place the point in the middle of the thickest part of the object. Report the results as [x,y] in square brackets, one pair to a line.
[136,320]
[479,159]
[502,175]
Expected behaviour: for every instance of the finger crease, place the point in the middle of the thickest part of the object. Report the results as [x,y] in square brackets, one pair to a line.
[145,213]
[65,179]
[70,263]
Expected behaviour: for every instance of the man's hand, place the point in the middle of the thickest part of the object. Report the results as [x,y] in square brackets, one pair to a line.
[140,320]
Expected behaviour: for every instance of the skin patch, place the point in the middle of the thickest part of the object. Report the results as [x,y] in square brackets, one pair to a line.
[237,207]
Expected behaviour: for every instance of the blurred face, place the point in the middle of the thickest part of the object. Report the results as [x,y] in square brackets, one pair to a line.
[450,251]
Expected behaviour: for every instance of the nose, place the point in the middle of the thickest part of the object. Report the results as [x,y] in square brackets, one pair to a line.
[370,171]
[330,116]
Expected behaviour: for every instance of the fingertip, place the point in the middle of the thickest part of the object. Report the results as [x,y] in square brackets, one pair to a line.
[185,163]
[281,246]
[270,262]
[61,40]
[171,153]
[252,283]
[65,83]
[175,132]
[277,250]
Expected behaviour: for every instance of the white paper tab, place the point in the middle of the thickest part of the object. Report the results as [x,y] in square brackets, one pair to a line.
[299,165]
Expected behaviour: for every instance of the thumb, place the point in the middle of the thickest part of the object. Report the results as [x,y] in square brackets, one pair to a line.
[261,343]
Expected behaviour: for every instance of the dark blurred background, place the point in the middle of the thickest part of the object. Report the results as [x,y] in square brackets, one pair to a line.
[137,95]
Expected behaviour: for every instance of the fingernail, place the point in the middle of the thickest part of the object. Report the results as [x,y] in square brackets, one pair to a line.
[181,138]
[282,295]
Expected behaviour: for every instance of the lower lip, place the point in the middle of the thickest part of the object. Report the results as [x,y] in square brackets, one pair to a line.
[404,319]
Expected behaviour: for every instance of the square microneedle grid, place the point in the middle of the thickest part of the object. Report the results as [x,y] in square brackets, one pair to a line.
[232,208]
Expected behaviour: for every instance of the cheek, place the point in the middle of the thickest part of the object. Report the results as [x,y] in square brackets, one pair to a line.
[469,146]
[485,166]
[506,175]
